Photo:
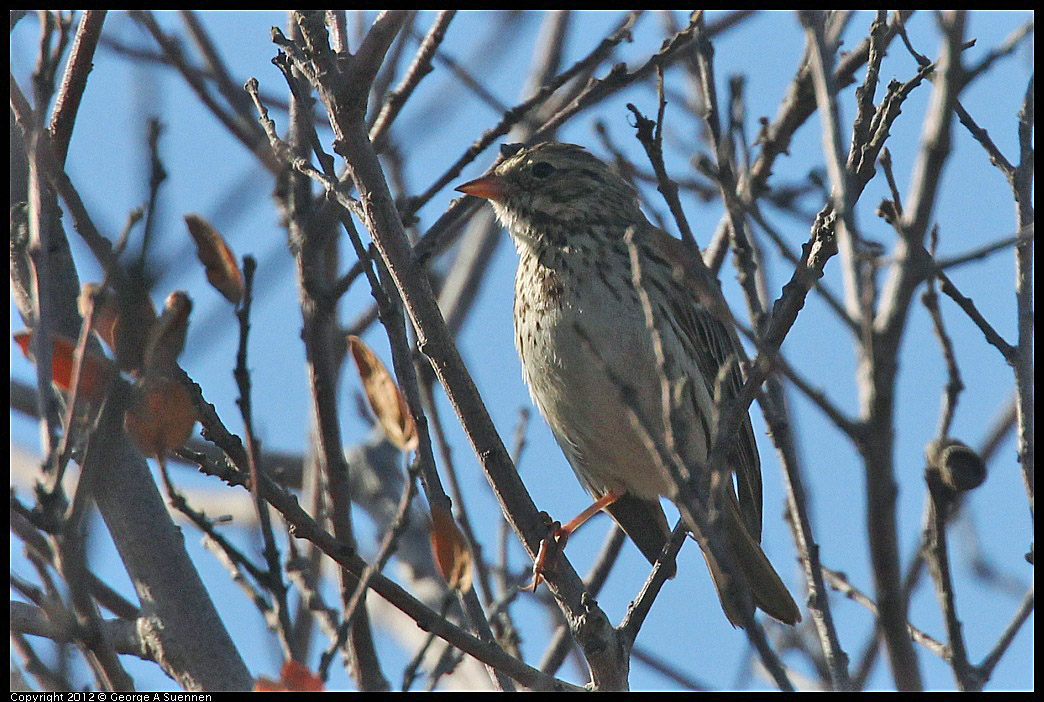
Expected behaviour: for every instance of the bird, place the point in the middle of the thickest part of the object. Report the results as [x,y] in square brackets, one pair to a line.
[584,340]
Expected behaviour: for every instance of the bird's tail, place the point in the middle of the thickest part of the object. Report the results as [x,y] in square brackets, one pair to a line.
[646,524]
[755,582]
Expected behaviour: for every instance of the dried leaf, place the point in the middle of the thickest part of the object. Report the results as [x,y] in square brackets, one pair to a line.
[387,403]
[450,549]
[263,684]
[123,324]
[105,311]
[167,336]
[295,677]
[217,258]
[95,370]
[161,415]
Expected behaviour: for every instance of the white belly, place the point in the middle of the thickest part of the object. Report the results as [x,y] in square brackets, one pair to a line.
[585,408]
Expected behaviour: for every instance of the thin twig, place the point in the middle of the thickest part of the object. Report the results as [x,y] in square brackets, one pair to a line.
[304,527]
[939,564]
[273,580]
[74,81]
[954,385]
[840,582]
[420,67]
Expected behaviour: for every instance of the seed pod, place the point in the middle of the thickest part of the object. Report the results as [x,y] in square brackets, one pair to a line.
[957,466]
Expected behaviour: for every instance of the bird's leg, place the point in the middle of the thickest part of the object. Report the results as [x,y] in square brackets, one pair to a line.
[560,534]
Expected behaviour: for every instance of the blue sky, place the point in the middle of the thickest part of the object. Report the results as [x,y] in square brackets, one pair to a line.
[212,174]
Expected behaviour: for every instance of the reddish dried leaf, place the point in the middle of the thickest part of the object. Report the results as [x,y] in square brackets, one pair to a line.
[295,677]
[161,415]
[299,678]
[167,336]
[269,685]
[450,549]
[217,258]
[387,403]
[95,371]
[24,339]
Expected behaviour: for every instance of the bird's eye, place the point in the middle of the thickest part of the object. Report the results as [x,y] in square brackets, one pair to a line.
[542,169]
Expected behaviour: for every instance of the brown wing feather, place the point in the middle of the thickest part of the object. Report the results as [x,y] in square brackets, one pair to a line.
[708,325]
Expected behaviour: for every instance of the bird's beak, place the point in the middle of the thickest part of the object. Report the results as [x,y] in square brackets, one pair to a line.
[490,187]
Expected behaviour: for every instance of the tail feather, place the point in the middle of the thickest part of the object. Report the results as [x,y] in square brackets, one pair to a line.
[752,582]
[646,524]
[759,585]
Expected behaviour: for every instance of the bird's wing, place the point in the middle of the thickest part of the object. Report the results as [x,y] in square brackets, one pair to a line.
[706,326]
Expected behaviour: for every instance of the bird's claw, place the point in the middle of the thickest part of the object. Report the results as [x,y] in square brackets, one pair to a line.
[550,546]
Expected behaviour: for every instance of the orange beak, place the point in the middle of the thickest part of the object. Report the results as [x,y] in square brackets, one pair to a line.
[489,187]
